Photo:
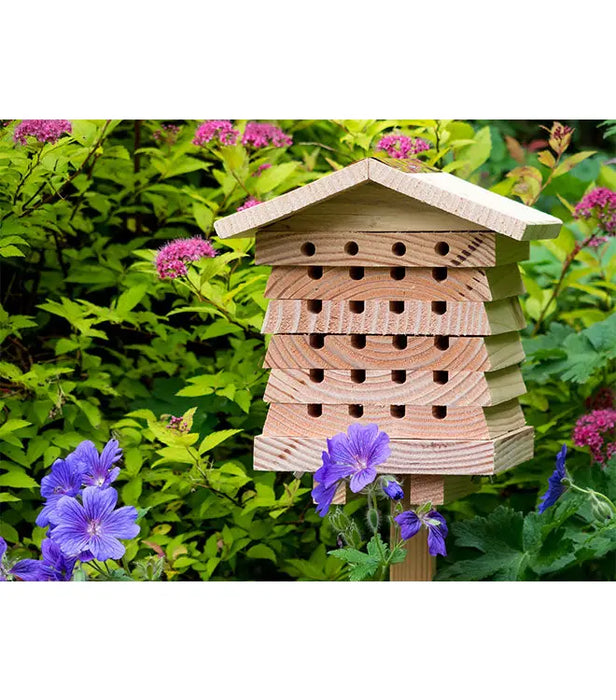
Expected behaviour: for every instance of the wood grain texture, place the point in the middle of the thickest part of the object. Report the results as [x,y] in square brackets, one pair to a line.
[401,421]
[421,249]
[437,489]
[377,317]
[418,565]
[456,457]
[387,352]
[461,198]
[372,207]
[437,197]
[395,283]
[386,387]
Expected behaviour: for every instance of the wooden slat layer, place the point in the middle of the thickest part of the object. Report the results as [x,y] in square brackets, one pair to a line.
[395,283]
[388,352]
[372,207]
[397,317]
[436,489]
[459,423]
[455,457]
[412,249]
[415,387]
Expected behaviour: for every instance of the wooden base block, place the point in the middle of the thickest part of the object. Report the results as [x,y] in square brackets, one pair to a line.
[397,387]
[456,457]
[418,564]
[451,353]
[420,283]
[460,422]
[379,317]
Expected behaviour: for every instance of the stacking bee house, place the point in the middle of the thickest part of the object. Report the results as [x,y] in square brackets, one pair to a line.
[394,301]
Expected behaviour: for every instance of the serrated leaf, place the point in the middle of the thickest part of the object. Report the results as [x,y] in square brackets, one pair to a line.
[214,439]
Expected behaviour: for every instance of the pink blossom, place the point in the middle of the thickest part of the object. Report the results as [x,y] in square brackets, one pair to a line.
[261,168]
[263,135]
[43,130]
[250,202]
[178,423]
[400,146]
[596,431]
[167,133]
[599,204]
[172,258]
[219,129]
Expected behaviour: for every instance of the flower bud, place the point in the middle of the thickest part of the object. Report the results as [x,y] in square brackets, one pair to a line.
[339,520]
[600,510]
[374,519]
[393,489]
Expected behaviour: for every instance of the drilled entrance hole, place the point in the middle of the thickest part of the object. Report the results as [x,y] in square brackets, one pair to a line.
[396,307]
[440,377]
[358,341]
[358,376]
[317,375]
[356,273]
[308,249]
[397,273]
[439,412]
[398,248]
[357,307]
[400,342]
[398,376]
[314,306]
[315,273]
[351,248]
[397,411]
[439,273]
[317,340]
[439,307]
[356,410]
[315,410]
[441,342]
[441,248]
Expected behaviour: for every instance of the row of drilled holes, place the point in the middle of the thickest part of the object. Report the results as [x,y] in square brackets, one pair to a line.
[398,376]
[351,248]
[315,306]
[356,410]
[396,273]
[358,341]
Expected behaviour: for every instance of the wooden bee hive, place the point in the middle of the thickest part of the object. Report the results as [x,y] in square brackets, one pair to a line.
[394,301]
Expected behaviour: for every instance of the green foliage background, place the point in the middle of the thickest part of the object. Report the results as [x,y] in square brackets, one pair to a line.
[94,344]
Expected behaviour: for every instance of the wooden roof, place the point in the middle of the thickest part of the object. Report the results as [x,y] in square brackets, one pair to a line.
[441,190]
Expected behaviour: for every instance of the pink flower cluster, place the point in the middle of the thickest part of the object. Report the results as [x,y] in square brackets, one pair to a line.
[599,204]
[596,431]
[178,423]
[603,398]
[43,130]
[263,135]
[219,129]
[172,258]
[261,168]
[167,133]
[400,146]
[250,202]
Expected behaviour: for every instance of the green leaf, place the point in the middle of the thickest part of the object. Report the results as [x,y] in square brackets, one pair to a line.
[214,439]
[203,216]
[17,479]
[130,298]
[261,551]
[570,162]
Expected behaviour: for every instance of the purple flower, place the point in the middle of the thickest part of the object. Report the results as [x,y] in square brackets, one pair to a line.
[321,494]
[264,135]
[411,522]
[24,570]
[599,204]
[58,566]
[94,527]
[356,454]
[172,258]
[393,489]
[400,146]
[65,479]
[555,486]
[219,129]
[99,470]
[43,130]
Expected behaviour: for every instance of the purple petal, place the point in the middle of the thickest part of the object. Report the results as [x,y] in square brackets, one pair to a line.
[2,547]
[107,547]
[98,503]
[323,497]
[71,527]
[31,570]
[362,478]
[436,541]
[361,438]
[380,451]
[410,524]
[111,454]
[435,515]
[339,450]
[121,523]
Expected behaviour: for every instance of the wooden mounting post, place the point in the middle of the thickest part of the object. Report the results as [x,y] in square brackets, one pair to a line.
[418,565]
